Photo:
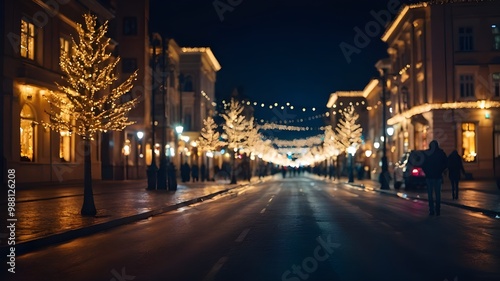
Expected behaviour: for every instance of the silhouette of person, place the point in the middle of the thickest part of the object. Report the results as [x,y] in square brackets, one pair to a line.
[195,172]
[435,162]
[455,168]
[203,172]
[185,171]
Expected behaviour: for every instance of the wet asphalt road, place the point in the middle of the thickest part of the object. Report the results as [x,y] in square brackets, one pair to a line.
[292,229]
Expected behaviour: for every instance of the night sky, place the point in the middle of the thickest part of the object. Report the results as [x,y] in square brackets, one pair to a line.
[278,51]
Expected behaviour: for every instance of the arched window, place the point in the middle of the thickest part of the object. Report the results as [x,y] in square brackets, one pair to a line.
[27,134]
[65,142]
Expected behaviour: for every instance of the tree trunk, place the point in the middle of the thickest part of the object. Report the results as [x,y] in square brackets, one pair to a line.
[208,169]
[233,170]
[88,208]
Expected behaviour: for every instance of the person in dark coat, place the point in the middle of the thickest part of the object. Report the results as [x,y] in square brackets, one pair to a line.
[185,171]
[195,172]
[203,172]
[455,168]
[435,162]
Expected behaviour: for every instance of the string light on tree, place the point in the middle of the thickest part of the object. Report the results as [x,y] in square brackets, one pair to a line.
[349,131]
[209,139]
[89,72]
[236,129]
[349,136]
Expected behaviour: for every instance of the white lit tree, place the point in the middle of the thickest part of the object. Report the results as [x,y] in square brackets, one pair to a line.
[210,138]
[348,130]
[349,134]
[253,137]
[236,130]
[330,143]
[90,96]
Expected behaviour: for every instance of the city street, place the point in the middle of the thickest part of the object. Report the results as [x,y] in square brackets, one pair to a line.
[290,229]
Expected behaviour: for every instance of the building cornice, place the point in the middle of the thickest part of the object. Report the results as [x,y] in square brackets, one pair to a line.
[203,50]
[55,12]
[343,94]
[399,20]
[370,87]
[480,104]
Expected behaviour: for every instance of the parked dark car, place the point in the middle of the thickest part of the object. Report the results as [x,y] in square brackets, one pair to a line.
[409,171]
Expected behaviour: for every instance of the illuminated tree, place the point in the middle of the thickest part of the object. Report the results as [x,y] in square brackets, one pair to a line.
[348,130]
[210,138]
[90,96]
[349,136]
[236,130]
[253,137]
[330,143]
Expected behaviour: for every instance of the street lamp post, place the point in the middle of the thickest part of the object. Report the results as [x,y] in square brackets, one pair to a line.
[351,151]
[153,169]
[138,153]
[162,171]
[233,164]
[178,129]
[384,177]
[126,153]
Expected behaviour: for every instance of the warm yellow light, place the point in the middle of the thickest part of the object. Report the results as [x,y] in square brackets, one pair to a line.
[126,148]
[368,153]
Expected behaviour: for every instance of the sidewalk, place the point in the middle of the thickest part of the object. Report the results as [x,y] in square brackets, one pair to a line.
[47,215]
[478,196]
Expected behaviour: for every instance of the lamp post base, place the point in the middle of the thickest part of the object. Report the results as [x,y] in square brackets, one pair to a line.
[384,177]
[162,175]
[384,180]
[233,179]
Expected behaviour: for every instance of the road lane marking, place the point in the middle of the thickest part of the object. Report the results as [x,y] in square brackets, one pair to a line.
[242,235]
[270,200]
[215,269]
[263,210]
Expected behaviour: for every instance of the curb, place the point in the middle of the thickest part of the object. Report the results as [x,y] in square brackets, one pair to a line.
[470,208]
[37,243]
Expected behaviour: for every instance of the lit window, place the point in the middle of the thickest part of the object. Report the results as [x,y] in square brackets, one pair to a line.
[65,46]
[466,85]
[469,142]
[27,134]
[495,77]
[27,40]
[66,140]
[495,30]
[65,146]
[465,39]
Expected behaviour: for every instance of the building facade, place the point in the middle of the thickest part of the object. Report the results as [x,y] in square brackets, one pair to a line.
[35,34]
[338,103]
[123,153]
[198,69]
[443,80]
[176,87]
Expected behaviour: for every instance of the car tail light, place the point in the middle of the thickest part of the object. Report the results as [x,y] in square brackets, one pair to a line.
[417,172]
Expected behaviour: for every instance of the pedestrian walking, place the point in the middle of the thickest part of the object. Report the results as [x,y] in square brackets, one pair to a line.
[435,162]
[195,172]
[203,172]
[185,171]
[455,168]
